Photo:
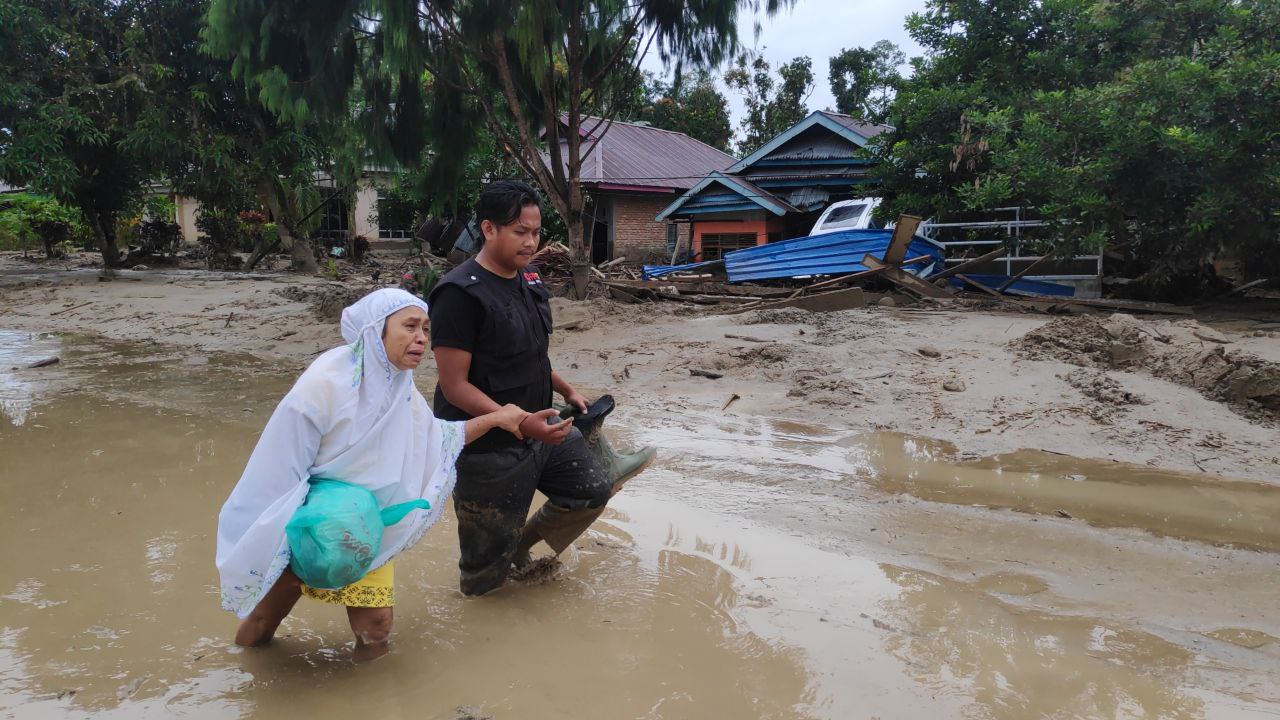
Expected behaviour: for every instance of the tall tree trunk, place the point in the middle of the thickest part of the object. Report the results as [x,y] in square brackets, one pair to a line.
[269,192]
[104,232]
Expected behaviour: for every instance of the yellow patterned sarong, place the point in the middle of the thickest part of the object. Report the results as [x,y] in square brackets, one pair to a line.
[374,590]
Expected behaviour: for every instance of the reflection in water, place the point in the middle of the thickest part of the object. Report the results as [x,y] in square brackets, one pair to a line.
[1107,494]
[1020,664]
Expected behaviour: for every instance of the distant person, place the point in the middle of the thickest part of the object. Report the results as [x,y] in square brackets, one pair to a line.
[354,415]
[491,328]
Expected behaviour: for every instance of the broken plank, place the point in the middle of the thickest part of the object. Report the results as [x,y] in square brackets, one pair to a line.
[967,264]
[852,276]
[1022,273]
[903,231]
[970,281]
[843,299]
[906,280]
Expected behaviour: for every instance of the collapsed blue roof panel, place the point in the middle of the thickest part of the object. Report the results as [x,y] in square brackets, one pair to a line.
[837,253]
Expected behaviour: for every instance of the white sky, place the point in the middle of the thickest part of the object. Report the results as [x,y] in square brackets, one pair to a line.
[820,29]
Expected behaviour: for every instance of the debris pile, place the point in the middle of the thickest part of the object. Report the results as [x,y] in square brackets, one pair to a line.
[1179,353]
[1099,386]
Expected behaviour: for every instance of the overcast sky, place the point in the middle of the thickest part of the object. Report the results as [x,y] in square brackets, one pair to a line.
[820,29]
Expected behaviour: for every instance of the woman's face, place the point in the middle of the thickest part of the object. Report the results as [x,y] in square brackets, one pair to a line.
[405,337]
[514,245]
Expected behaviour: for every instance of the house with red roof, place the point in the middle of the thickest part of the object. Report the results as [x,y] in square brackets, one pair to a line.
[631,172]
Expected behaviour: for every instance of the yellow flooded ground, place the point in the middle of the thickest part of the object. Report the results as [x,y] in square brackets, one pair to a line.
[763,569]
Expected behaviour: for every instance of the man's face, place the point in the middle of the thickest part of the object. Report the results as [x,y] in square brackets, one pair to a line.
[514,245]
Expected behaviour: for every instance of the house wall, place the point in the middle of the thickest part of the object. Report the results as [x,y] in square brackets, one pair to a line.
[365,213]
[761,227]
[636,234]
[186,218]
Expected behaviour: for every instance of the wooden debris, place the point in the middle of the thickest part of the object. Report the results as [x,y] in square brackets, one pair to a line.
[732,399]
[73,307]
[983,288]
[906,280]
[1023,272]
[903,231]
[844,299]
[967,264]
[748,338]
[709,374]
[45,362]
[852,276]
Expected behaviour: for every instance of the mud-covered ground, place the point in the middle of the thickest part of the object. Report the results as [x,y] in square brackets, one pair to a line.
[888,512]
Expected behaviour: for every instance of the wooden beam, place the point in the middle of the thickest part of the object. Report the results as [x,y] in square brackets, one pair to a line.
[906,280]
[967,264]
[970,281]
[902,234]
[1035,263]
[852,276]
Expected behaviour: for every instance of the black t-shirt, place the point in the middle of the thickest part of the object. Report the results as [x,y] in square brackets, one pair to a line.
[505,324]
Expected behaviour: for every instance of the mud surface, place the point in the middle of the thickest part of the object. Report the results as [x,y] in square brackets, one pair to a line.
[765,567]
[1185,353]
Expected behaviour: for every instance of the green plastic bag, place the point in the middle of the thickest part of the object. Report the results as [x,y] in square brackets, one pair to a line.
[337,532]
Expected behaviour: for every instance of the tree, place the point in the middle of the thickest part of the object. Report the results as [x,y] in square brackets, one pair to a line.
[690,105]
[539,76]
[76,117]
[769,111]
[1148,126]
[25,217]
[863,80]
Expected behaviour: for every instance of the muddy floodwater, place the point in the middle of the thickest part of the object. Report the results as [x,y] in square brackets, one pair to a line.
[764,568]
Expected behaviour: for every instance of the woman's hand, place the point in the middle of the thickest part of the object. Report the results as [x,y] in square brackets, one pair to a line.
[509,418]
[536,427]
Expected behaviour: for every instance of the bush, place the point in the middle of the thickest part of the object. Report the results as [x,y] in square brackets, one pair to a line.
[27,220]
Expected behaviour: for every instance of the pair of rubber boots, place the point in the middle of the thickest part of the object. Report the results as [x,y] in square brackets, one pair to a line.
[558,526]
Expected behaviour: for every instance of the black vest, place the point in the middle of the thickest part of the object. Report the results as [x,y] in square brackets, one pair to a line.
[509,362]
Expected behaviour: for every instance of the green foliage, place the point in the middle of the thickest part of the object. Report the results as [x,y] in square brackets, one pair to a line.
[1150,126]
[690,105]
[527,73]
[28,221]
[863,80]
[772,105]
[78,118]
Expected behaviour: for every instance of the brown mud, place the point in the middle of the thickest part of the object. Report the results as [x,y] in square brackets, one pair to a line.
[844,540]
[1185,353]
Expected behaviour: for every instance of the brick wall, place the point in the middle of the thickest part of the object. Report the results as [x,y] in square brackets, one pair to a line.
[635,234]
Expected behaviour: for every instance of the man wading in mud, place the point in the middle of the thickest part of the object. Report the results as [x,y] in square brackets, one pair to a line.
[490,330]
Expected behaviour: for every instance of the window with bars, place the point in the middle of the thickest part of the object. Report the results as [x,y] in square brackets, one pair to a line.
[715,245]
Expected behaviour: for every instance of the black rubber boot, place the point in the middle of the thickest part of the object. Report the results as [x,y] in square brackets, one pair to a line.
[619,466]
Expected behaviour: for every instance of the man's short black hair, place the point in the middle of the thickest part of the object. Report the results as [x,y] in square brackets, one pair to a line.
[502,201]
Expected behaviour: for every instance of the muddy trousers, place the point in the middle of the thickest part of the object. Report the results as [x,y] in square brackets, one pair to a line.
[492,498]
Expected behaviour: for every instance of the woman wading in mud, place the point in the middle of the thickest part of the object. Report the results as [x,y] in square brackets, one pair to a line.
[355,416]
[491,320]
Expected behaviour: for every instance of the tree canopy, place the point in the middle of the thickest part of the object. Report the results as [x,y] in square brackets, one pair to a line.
[863,80]
[1147,126]
[690,105]
[772,105]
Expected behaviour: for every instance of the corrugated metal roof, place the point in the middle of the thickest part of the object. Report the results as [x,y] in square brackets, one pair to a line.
[865,129]
[647,157]
[836,253]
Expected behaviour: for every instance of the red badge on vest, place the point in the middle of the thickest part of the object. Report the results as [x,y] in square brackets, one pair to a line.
[532,278]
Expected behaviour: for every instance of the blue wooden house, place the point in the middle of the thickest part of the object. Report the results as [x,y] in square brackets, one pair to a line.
[778,191]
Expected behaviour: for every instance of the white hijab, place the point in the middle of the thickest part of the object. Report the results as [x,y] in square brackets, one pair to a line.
[351,416]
